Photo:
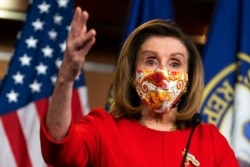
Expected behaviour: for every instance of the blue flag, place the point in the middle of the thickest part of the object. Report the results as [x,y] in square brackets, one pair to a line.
[226,58]
[29,82]
[142,11]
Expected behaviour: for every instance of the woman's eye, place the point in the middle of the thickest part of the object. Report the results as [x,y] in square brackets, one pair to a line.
[175,65]
[151,62]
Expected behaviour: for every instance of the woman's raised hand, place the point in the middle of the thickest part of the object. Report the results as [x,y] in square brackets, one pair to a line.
[79,42]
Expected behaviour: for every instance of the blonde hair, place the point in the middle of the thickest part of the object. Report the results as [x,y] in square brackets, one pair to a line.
[126,102]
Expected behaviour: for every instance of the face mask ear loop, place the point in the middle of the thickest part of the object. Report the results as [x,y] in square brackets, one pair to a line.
[133,81]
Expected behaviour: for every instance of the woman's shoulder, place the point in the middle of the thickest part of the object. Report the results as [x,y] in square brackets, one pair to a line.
[97,117]
[208,128]
[216,141]
[98,112]
[210,131]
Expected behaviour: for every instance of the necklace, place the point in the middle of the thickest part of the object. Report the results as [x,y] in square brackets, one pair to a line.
[173,128]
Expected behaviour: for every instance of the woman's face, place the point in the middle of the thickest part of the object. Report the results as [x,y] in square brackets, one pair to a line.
[161,52]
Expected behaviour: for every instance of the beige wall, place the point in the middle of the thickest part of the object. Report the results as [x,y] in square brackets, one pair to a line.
[3,68]
[98,84]
[99,77]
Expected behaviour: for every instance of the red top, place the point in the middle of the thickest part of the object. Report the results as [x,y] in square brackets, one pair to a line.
[100,141]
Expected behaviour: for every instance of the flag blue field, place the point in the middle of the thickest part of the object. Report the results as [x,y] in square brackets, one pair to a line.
[26,89]
[226,58]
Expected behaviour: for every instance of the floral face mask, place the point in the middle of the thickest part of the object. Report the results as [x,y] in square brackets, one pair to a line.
[160,90]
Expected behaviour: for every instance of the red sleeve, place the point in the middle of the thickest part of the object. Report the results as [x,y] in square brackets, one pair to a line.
[78,148]
[224,154]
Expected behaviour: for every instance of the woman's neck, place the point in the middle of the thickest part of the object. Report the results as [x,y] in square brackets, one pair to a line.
[159,121]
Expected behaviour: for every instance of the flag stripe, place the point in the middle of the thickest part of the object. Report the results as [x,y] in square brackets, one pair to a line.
[16,139]
[6,154]
[42,106]
[82,92]
[76,107]
[30,123]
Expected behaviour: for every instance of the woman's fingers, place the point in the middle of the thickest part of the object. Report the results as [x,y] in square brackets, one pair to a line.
[78,22]
[79,38]
[79,43]
[85,41]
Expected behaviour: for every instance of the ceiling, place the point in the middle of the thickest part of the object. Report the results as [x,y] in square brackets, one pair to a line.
[109,19]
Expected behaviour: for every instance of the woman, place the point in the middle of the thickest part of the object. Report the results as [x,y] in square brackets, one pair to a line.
[158,84]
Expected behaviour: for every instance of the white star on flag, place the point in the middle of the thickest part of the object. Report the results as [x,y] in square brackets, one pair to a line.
[58,63]
[41,69]
[35,86]
[12,96]
[38,24]
[25,60]
[52,34]
[18,78]
[58,19]
[62,3]
[31,42]
[63,46]
[68,28]
[44,7]
[53,79]
[47,51]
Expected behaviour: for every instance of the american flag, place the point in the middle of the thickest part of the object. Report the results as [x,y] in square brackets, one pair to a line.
[29,82]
